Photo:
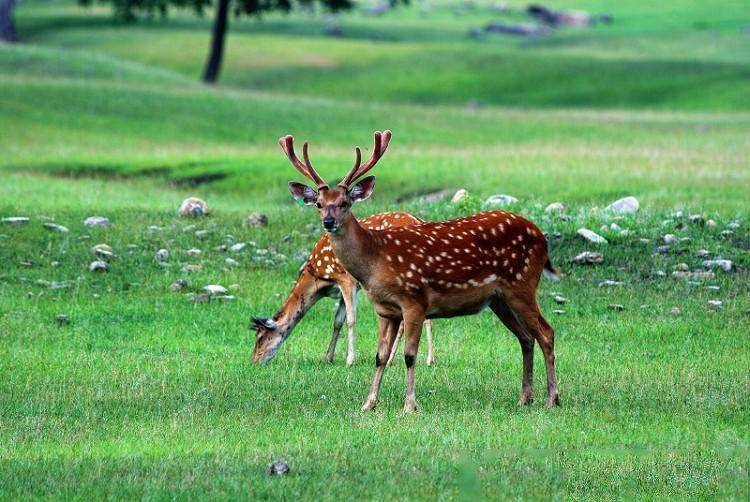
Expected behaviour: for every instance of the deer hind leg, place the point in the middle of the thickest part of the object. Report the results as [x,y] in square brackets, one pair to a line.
[338,322]
[526,309]
[430,351]
[412,321]
[396,341]
[386,336]
[500,307]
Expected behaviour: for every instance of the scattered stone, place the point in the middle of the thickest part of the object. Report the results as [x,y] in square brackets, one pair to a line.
[200,298]
[662,249]
[103,251]
[559,299]
[96,221]
[178,285]
[500,200]
[588,257]
[725,265]
[558,311]
[681,274]
[15,220]
[55,264]
[190,267]
[215,289]
[670,239]
[255,219]
[713,288]
[727,234]
[278,468]
[703,275]
[460,195]
[194,207]
[644,241]
[615,227]
[25,264]
[56,227]
[56,286]
[733,225]
[162,255]
[591,236]
[625,205]
[555,208]
[98,266]
[62,320]
[231,262]
[193,252]
[675,311]
[710,223]
[702,253]
[715,305]
[697,219]
[83,237]
[617,306]
[223,298]
[201,233]
[683,267]
[236,248]
[608,283]
[154,229]
[221,248]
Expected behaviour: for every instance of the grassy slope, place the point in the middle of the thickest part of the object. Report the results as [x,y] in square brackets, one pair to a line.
[148,394]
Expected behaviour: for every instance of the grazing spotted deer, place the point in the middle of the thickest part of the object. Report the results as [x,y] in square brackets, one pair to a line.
[437,269]
[320,276]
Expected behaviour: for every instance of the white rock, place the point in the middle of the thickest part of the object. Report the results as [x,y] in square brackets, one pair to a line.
[710,223]
[624,206]
[610,283]
[591,236]
[231,262]
[715,305]
[460,195]
[256,219]
[98,266]
[103,251]
[588,257]
[238,247]
[194,207]
[162,255]
[56,227]
[215,289]
[193,252]
[670,239]
[96,221]
[555,207]
[500,200]
[725,265]
[15,220]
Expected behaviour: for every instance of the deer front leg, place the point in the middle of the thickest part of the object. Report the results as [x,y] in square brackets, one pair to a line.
[338,322]
[349,297]
[413,320]
[386,336]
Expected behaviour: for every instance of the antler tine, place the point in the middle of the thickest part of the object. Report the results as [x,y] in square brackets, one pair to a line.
[287,144]
[381,144]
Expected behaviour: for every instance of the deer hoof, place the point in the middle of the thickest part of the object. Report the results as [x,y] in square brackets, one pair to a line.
[410,406]
[525,400]
[369,404]
[329,358]
[553,400]
[430,361]
[350,359]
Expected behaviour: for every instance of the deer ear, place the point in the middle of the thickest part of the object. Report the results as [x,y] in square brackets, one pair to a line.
[303,193]
[363,189]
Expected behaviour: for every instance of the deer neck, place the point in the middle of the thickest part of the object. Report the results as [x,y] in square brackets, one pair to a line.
[304,294]
[354,247]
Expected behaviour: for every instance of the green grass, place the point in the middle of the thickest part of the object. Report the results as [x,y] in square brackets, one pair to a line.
[149,395]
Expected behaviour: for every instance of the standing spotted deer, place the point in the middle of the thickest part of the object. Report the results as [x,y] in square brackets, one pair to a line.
[320,276]
[437,269]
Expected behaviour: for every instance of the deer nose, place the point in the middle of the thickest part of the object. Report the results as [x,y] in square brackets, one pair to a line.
[329,222]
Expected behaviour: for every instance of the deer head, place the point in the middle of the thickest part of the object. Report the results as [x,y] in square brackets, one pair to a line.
[334,203]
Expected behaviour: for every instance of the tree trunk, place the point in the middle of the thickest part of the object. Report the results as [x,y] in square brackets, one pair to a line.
[213,64]
[7,28]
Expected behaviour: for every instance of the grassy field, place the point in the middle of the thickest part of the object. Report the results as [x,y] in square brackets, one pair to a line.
[148,394]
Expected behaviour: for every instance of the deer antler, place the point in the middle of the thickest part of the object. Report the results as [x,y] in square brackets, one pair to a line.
[287,144]
[381,144]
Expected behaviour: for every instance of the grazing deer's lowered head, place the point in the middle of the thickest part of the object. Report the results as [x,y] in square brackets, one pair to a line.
[434,269]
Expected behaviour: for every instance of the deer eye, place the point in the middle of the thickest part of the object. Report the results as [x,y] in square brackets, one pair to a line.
[319,205]
[344,205]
